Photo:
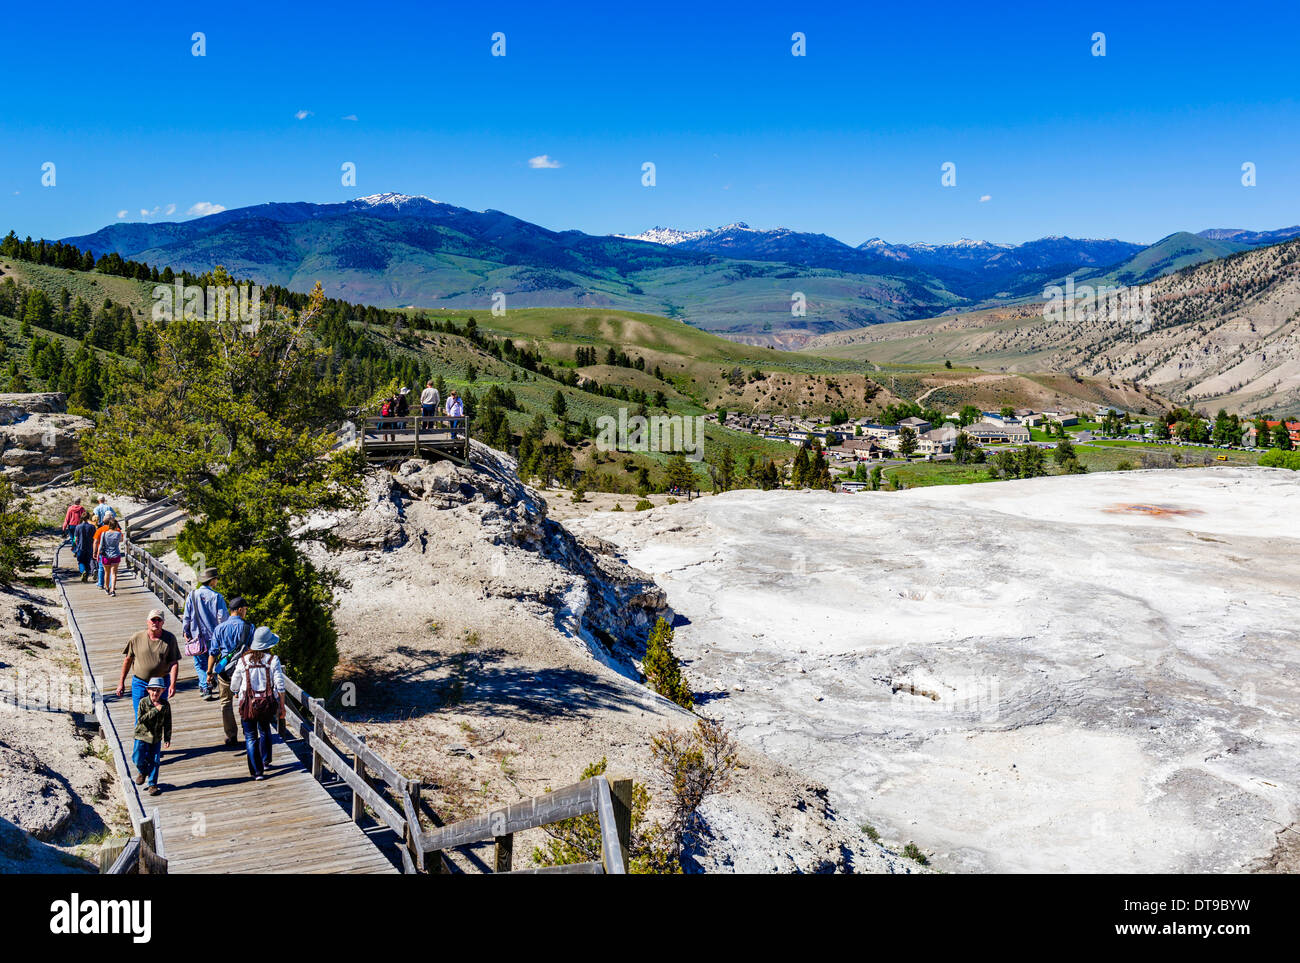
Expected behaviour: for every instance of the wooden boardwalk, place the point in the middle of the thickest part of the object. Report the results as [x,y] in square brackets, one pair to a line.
[212,816]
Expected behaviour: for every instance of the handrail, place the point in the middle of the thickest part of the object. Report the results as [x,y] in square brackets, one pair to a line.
[594,796]
[134,807]
[445,435]
[369,776]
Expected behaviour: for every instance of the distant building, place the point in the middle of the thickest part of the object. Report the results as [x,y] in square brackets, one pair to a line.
[859,449]
[918,425]
[1065,418]
[939,441]
[870,430]
[1292,428]
[988,431]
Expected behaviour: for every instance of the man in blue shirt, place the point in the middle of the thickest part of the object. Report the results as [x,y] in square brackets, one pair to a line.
[205,609]
[228,642]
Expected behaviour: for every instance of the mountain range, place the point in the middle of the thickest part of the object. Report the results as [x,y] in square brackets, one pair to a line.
[396,250]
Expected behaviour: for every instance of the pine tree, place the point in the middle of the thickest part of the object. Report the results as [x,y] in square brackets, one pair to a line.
[662,670]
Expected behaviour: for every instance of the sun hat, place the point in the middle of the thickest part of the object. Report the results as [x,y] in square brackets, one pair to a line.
[209,574]
[237,603]
[405,390]
[156,614]
[157,682]
[263,639]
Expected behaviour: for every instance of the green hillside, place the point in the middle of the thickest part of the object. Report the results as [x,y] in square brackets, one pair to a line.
[370,358]
[1173,253]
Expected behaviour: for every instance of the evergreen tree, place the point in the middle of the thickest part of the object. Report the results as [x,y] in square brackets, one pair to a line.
[238,426]
[663,671]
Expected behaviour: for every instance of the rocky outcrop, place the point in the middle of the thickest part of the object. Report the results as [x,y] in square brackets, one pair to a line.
[38,439]
[485,523]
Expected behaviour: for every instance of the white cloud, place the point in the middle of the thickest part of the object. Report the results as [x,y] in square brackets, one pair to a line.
[543,162]
[350,117]
[171,209]
[985,197]
[121,214]
[303,114]
[143,212]
[204,208]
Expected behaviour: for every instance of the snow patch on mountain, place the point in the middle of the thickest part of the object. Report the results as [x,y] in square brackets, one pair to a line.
[394,200]
[669,236]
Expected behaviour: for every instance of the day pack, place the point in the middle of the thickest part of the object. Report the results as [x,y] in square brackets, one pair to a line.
[258,705]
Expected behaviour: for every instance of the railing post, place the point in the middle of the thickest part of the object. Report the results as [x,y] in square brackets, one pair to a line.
[620,791]
[413,841]
[504,853]
[359,767]
[317,762]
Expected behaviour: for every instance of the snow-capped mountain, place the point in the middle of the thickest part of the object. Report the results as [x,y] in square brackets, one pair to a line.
[668,236]
[393,200]
[1251,238]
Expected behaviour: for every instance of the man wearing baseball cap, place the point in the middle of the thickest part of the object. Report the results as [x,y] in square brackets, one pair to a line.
[151,653]
[229,642]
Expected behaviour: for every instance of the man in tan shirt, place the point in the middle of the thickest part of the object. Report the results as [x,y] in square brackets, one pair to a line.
[150,653]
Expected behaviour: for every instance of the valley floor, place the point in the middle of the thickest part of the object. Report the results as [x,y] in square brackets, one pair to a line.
[1091,673]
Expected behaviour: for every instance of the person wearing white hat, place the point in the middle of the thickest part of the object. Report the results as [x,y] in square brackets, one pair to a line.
[258,684]
[153,734]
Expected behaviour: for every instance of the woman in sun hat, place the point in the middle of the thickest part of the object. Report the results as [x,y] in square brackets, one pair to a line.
[153,734]
[258,684]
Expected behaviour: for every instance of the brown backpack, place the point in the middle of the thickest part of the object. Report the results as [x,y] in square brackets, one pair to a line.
[260,705]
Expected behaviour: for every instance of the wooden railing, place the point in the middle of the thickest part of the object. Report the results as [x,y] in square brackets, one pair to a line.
[139,855]
[144,521]
[376,785]
[156,576]
[150,858]
[611,804]
[395,434]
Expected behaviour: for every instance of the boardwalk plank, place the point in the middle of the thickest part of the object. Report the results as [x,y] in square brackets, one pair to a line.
[214,817]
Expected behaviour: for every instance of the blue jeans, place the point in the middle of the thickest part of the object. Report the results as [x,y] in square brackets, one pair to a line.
[257,742]
[148,760]
[201,669]
[100,563]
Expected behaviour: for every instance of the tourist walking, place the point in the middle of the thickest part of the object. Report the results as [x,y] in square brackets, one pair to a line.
[103,510]
[229,642]
[73,517]
[205,609]
[83,546]
[456,409]
[150,654]
[153,734]
[110,553]
[430,403]
[99,532]
[258,681]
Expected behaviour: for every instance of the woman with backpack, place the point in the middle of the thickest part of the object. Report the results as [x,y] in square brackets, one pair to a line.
[258,684]
[110,553]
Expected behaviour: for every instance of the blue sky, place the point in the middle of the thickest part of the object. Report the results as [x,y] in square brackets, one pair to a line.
[848,140]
